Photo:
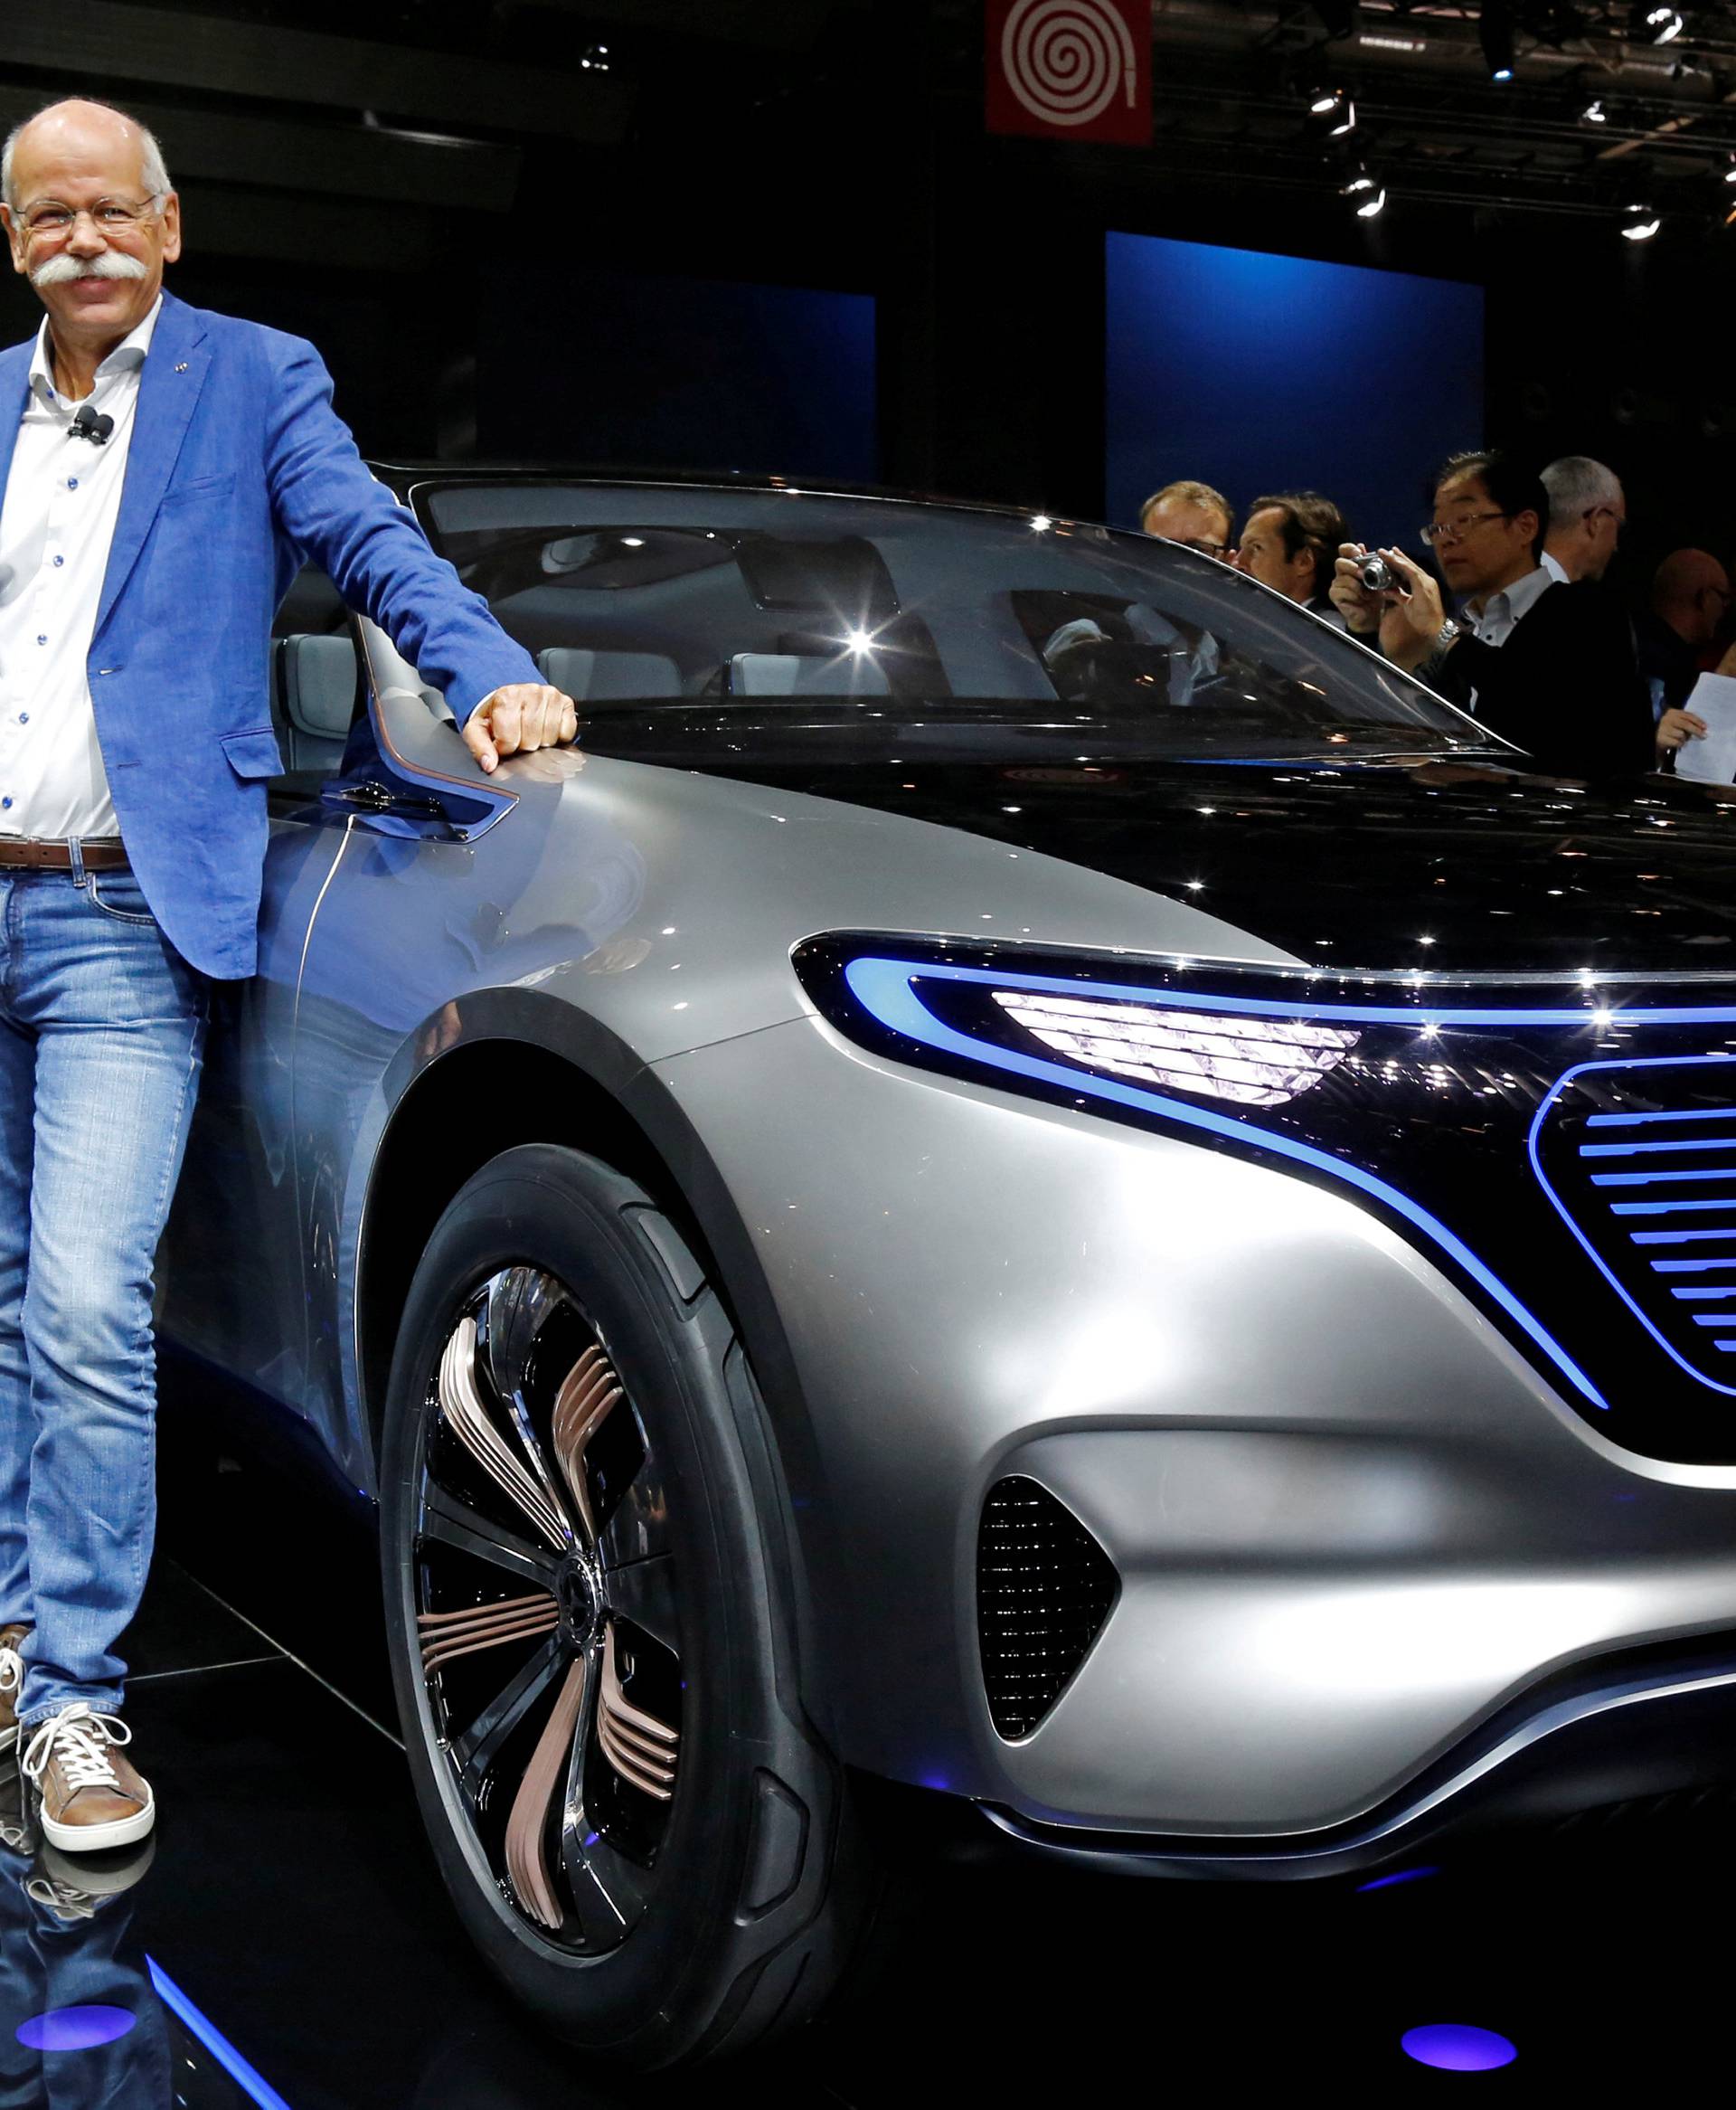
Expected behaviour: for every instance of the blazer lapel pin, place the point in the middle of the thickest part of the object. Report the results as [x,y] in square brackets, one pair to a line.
[181,367]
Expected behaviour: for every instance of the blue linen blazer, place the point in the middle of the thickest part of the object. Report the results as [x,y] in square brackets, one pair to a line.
[238,469]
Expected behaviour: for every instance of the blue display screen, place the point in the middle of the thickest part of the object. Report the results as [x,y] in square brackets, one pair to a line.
[1255,373]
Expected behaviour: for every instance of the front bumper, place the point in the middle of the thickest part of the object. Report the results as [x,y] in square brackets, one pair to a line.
[1353,1522]
[1624,1736]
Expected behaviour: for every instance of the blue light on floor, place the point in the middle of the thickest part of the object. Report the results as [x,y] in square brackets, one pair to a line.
[251,2084]
[75,2028]
[1398,1875]
[1457,2047]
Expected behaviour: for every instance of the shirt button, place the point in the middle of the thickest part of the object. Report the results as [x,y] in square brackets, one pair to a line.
[7,801]
[42,640]
[71,483]
[59,562]
[24,717]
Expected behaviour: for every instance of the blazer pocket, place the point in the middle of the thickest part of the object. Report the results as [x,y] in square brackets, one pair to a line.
[212,487]
[254,753]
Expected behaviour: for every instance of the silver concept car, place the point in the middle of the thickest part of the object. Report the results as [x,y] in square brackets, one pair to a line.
[1030,1175]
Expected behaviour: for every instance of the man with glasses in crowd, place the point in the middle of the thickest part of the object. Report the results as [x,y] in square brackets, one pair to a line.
[1587,510]
[164,471]
[1549,667]
[1192,514]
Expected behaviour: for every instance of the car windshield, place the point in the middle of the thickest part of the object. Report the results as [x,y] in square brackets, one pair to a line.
[699,625]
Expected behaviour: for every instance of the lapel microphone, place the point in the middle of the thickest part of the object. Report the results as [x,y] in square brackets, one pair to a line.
[89,425]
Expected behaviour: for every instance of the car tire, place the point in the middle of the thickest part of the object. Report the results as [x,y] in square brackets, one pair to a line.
[698,1803]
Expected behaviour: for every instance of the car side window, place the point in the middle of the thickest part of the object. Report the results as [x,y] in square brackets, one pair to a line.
[315,681]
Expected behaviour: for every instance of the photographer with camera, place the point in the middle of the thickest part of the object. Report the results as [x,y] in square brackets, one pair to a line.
[1549,667]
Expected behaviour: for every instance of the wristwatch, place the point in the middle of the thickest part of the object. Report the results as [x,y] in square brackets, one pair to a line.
[1449,630]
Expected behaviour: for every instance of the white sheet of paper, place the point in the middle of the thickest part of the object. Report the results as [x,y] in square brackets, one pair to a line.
[1712,761]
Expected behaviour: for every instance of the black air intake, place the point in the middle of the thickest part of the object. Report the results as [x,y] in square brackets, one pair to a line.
[1044,1586]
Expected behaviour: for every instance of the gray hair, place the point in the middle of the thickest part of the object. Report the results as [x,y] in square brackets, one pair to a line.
[153,167]
[1576,483]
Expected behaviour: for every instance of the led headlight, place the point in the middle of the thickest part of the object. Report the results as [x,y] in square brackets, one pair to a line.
[1256,1062]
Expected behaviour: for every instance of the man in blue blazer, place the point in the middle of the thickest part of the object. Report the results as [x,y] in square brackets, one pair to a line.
[166,473]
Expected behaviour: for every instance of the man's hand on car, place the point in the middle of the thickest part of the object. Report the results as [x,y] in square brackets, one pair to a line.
[514,720]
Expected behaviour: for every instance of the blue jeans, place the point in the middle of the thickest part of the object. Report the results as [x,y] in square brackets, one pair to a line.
[101,1036]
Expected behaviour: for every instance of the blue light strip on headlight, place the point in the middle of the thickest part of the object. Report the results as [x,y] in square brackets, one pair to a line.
[1594,1013]
[882,987]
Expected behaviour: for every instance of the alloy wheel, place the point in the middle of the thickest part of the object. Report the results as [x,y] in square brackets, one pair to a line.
[547,1613]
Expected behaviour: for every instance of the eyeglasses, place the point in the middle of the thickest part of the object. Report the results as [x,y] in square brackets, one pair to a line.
[1206,549]
[1440,531]
[1591,512]
[50,220]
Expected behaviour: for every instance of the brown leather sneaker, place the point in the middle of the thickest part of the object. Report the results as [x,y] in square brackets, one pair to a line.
[93,1798]
[12,1679]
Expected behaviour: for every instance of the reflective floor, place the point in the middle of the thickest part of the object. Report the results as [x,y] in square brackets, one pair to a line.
[300,1950]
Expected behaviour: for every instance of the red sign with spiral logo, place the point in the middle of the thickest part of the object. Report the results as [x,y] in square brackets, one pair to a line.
[1071,69]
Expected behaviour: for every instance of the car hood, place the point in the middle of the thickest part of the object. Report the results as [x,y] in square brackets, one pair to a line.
[1458,865]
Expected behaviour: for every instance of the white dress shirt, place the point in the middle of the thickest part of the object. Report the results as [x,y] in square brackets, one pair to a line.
[62,501]
[1555,568]
[1501,614]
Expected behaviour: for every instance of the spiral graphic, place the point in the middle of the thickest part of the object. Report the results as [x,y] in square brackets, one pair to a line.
[1066,60]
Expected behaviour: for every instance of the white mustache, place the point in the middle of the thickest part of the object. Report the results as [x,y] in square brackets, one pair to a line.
[110,264]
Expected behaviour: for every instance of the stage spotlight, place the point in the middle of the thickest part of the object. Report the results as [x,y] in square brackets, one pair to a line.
[1367,197]
[1594,112]
[1495,34]
[1640,222]
[1655,21]
[1332,112]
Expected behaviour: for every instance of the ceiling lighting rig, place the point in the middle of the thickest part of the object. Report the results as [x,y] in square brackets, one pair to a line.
[1603,105]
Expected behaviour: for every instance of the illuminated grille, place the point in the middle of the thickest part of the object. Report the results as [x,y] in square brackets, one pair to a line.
[1640,1158]
[1044,1586]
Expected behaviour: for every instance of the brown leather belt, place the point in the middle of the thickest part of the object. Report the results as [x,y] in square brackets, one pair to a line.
[34,853]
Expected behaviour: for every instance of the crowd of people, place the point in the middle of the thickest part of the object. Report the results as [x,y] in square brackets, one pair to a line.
[1514,620]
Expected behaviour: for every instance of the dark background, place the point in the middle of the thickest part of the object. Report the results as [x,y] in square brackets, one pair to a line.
[491,296]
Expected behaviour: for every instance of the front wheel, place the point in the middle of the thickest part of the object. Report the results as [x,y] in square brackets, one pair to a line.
[588,1584]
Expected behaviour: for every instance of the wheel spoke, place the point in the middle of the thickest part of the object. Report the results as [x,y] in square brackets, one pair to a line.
[645,1593]
[444,1636]
[588,1394]
[452,1522]
[469,1421]
[476,1751]
[607,1891]
[607,1894]
[519,1303]
[642,1749]
[527,1861]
